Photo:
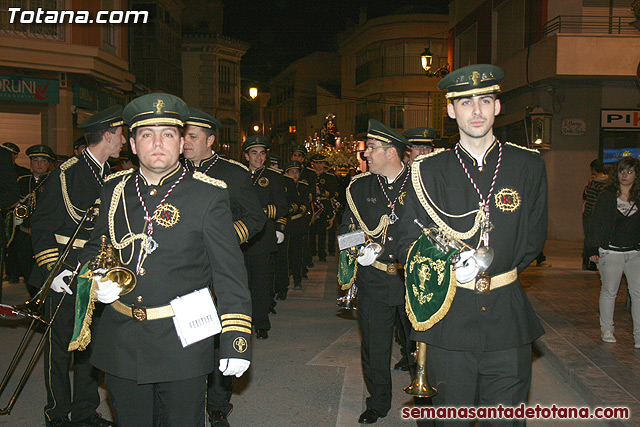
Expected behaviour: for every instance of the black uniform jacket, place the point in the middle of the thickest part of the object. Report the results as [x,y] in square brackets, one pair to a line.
[518,210]
[54,220]
[328,185]
[309,176]
[371,203]
[29,184]
[269,185]
[8,188]
[300,207]
[197,247]
[248,216]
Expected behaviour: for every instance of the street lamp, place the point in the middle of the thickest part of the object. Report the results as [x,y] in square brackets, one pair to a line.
[253,92]
[427,60]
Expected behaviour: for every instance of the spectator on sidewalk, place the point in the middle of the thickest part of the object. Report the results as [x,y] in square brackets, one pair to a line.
[613,242]
[592,190]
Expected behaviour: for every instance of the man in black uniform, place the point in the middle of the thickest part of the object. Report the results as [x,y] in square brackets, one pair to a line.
[420,141]
[15,150]
[308,176]
[79,145]
[30,187]
[8,200]
[176,232]
[260,249]
[479,354]
[327,188]
[68,192]
[248,219]
[375,201]
[297,225]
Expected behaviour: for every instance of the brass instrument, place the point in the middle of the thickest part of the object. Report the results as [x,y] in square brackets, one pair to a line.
[420,386]
[25,207]
[348,301]
[34,309]
[108,262]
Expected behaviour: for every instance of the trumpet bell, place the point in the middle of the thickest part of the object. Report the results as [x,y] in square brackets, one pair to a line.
[484,257]
[123,277]
[420,387]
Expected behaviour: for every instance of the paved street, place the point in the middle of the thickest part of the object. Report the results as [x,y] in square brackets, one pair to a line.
[308,372]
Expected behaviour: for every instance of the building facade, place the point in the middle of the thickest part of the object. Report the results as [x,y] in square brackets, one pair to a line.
[570,89]
[54,75]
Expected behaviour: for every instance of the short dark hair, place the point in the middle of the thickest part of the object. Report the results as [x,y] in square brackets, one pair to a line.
[597,166]
[94,138]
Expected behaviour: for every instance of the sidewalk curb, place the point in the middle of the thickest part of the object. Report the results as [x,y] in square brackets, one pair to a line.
[586,366]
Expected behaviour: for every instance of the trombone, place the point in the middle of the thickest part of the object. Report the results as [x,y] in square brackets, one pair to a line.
[34,309]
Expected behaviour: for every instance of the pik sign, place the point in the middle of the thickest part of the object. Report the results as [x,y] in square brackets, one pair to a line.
[620,119]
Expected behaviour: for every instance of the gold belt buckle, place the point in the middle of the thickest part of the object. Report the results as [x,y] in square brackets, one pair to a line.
[483,284]
[392,268]
[139,313]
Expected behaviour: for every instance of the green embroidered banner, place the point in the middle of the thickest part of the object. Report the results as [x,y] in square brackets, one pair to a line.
[85,303]
[430,283]
[347,269]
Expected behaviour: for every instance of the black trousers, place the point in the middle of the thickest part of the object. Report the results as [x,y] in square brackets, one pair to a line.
[169,404]
[260,284]
[56,366]
[318,237]
[281,267]
[297,244]
[377,320]
[219,387]
[24,260]
[480,378]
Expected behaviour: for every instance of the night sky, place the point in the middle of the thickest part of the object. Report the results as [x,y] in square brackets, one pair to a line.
[282,31]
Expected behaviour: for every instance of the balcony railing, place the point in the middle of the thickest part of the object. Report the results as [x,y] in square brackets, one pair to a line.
[392,66]
[569,24]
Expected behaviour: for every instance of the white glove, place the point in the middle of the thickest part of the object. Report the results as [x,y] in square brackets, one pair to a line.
[59,285]
[17,221]
[279,237]
[233,366]
[108,291]
[466,268]
[368,256]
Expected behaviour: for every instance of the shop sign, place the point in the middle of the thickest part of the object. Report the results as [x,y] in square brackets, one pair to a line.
[620,119]
[29,89]
[574,127]
[85,97]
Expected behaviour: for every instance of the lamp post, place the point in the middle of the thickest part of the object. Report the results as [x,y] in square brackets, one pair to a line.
[427,61]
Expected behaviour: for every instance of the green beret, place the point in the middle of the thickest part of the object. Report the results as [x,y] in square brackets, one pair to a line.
[201,119]
[472,80]
[294,164]
[79,142]
[299,147]
[41,151]
[420,136]
[103,120]
[11,147]
[382,133]
[156,109]
[256,141]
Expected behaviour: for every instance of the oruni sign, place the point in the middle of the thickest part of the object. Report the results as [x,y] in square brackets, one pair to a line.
[13,88]
[620,119]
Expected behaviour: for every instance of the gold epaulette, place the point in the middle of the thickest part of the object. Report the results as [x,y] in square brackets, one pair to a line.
[431,154]
[236,322]
[361,175]
[117,174]
[533,150]
[236,163]
[205,178]
[275,169]
[67,164]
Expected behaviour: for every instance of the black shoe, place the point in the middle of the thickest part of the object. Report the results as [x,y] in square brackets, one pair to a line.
[272,310]
[401,366]
[95,421]
[281,295]
[304,276]
[370,416]
[262,334]
[297,286]
[218,419]
[59,422]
